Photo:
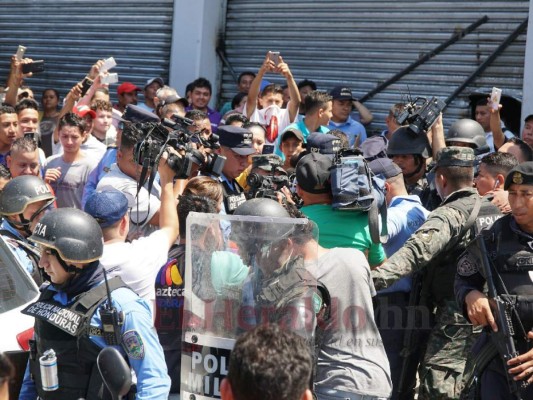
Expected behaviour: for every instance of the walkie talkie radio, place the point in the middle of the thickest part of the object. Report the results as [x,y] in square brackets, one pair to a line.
[112,320]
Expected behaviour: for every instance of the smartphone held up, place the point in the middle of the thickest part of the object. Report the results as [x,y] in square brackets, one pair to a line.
[274,57]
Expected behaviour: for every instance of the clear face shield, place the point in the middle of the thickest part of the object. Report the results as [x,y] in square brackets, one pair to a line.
[242,271]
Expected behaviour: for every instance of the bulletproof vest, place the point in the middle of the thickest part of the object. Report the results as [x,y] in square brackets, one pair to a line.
[233,198]
[512,256]
[440,279]
[66,330]
[428,195]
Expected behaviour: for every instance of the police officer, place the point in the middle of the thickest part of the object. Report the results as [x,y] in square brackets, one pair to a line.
[509,249]
[468,133]
[433,249]
[280,285]
[74,317]
[236,146]
[411,152]
[23,202]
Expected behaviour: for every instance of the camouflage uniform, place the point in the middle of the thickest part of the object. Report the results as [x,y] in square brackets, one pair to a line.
[433,250]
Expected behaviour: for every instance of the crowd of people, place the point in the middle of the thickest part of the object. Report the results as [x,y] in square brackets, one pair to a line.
[90,193]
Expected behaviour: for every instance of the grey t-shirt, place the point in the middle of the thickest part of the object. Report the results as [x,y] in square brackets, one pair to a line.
[69,187]
[352,357]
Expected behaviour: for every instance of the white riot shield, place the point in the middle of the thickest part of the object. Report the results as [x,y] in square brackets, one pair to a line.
[242,271]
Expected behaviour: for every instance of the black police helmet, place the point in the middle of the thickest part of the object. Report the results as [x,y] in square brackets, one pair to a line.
[74,234]
[405,141]
[467,131]
[264,230]
[22,191]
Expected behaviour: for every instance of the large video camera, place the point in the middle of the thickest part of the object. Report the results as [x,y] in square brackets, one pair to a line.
[266,185]
[157,137]
[421,113]
[271,181]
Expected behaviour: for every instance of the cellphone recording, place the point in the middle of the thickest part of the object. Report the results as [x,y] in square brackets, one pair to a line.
[35,67]
[109,78]
[108,64]
[20,52]
[85,85]
[495,97]
[274,56]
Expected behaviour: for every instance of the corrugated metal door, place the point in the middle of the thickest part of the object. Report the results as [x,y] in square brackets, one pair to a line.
[363,43]
[71,35]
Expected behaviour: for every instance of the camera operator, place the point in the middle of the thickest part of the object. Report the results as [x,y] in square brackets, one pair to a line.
[236,146]
[110,209]
[411,151]
[337,229]
[125,175]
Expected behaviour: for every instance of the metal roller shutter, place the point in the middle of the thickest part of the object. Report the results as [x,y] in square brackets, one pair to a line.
[71,35]
[363,43]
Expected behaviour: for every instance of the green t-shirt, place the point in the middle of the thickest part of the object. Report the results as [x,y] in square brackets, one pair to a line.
[344,229]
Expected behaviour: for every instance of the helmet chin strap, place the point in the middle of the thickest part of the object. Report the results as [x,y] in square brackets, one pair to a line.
[67,267]
[419,161]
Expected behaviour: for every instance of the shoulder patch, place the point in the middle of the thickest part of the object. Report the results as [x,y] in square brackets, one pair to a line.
[466,266]
[133,344]
[317,303]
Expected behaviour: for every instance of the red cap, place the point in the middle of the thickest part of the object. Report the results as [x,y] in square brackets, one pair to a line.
[82,111]
[127,87]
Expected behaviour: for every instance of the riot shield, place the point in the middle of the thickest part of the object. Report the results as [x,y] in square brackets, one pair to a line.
[241,272]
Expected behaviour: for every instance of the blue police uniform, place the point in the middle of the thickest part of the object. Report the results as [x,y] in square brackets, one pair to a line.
[139,343]
[12,235]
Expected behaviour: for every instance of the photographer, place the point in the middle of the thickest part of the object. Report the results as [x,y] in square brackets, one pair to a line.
[124,176]
[110,209]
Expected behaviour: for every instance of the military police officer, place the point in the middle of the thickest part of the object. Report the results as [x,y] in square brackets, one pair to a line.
[235,146]
[510,259]
[433,250]
[75,318]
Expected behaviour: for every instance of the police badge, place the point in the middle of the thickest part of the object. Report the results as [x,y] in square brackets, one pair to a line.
[518,178]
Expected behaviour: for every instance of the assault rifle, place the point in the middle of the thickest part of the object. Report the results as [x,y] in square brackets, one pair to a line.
[503,339]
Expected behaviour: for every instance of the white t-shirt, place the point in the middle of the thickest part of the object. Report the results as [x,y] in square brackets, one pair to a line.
[138,262]
[274,119]
[142,206]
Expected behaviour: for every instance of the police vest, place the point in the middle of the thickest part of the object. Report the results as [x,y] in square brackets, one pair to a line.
[66,330]
[512,256]
[233,198]
[439,282]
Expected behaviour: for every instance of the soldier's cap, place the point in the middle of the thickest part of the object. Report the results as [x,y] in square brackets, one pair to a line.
[107,207]
[313,173]
[384,167]
[455,156]
[266,162]
[237,139]
[323,143]
[522,174]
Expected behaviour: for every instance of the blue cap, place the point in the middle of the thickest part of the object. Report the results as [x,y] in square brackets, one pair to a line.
[236,138]
[323,143]
[384,167]
[107,207]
